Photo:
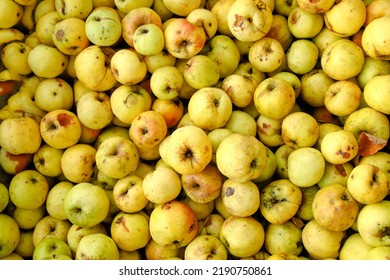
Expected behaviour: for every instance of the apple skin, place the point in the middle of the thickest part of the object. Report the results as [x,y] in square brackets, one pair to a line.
[27,219]
[97,246]
[195,71]
[235,164]
[303,23]
[375,93]
[172,110]
[354,248]
[50,227]
[76,233]
[181,7]
[173,224]
[13,164]
[148,39]
[155,251]
[285,238]
[4,197]
[52,94]
[51,248]
[71,8]
[91,209]
[205,247]
[47,61]
[55,199]
[10,235]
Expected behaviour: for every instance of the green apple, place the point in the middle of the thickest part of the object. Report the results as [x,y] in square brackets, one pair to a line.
[269,131]
[240,89]
[97,246]
[73,8]
[379,253]
[302,162]
[47,160]
[282,153]
[266,54]
[4,197]
[324,38]
[28,218]
[76,233]
[155,61]
[232,231]
[280,31]
[173,224]
[130,231]
[86,205]
[279,201]
[50,227]
[103,26]
[305,210]
[20,135]
[148,39]
[166,82]
[283,238]
[201,210]
[303,23]
[51,248]
[28,189]
[205,247]
[44,26]
[354,248]
[117,157]
[14,56]
[220,10]
[201,71]
[9,235]
[335,174]
[47,61]
[371,68]
[55,199]
[373,223]
[25,246]
[210,108]
[302,56]
[55,93]
[205,19]
[129,195]
[241,157]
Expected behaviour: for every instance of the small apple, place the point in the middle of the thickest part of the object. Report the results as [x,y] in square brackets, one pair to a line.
[128,194]
[25,246]
[148,39]
[205,247]
[302,56]
[45,25]
[266,54]
[14,56]
[97,246]
[71,8]
[55,200]
[172,110]
[305,210]
[47,61]
[210,108]
[283,238]
[216,136]
[91,209]
[117,157]
[269,131]
[166,82]
[241,157]
[342,98]
[280,31]
[50,227]
[51,248]
[205,19]
[28,189]
[232,231]
[76,233]
[28,218]
[375,93]
[220,10]
[11,14]
[201,71]
[10,235]
[20,135]
[354,248]
[371,68]
[155,61]
[55,93]
[242,122]
[161,185]
[103,26]
[130,231]
[284,7]
[303,23]
[269,169]
[173,224]
[78,163]
[279,201]
[239,88]
[335,174]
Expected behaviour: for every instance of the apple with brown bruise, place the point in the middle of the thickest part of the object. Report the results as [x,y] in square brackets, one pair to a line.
[13,164]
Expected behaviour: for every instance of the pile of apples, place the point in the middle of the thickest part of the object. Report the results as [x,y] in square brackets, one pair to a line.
[194,129]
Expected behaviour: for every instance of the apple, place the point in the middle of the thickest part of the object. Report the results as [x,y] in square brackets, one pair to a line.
[302,56]
[13,164]
[128,194]
[89,211]
[238,165]
[76,233]
[93,68]
[25,246]
[20,135]
[28,189]
[273,93]
[371,68]
[283,238]
[4,197]
[279,201]
[47,61]
[203,187]
[321,243]
[205,247]
[324,38]
[336,174]
[45,25]
[127,101]
[240,199]
[376,9]
[304,24]
[128,67]
[97,246]
[315,7]
[55,200]
[117,157]
[28,218]
[166,82]
[155,61]
[88,135]
[284,7]
[78,163]
[201,210]
[342,59]
[232,231]
[173,224]
[220,10]
[10,235]
[103,26]
[345,17]
[339,146]
[135,18]
[379,159]
[188,151]
[216,136]
[305,210]
[314,86]
[155,251]
[47,160]
[148,39]
[375,93]
[249,20]
[205,19]
[11,14]
[130,231]
[239,88]
[280,31]
[379,253]
[51,248]
[335,208]
[50,227]
[342,98]
[210,108]
[69,36]
[201,71]
[266,54]
[54,93]
[181,7]
[225,52]
[212,225]
[300,129]
[373,223]
[242,122]
[171,110]
[14,56]
[161,185]
[184,39]
[72,8]
[269,131]
[125,6]
[354,248]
